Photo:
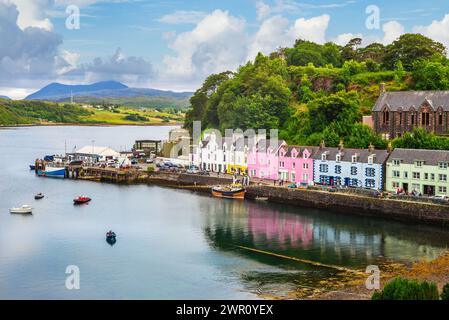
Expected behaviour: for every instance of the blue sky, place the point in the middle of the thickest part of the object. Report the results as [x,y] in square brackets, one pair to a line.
[176,44]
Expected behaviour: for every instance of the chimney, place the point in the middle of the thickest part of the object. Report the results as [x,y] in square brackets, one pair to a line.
[371,148]
[382,88]
[322,144]
[341,145]
[389,147]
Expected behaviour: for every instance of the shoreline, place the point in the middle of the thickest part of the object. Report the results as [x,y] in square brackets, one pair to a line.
[82,124]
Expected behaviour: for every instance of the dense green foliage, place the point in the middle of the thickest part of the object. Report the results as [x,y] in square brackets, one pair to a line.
[420,139]
[135,117]
[31,112]
[403,289]
[314,92]
[445,292]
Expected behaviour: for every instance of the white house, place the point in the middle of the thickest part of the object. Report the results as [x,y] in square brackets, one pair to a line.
[93,154]
[361,168]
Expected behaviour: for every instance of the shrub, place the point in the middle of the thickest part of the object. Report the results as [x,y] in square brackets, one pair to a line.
[403,289]
[445,292]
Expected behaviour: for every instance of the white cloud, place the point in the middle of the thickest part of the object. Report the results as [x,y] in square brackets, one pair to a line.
[217,43]
[32,13]
[392,31]
[344,38]
[263,10]
[313,29]
[438,30]
[183,17]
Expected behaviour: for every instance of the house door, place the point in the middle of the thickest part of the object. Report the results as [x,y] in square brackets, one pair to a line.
[405,187]
[429,190]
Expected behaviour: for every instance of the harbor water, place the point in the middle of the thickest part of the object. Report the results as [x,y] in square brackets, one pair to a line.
[171,244]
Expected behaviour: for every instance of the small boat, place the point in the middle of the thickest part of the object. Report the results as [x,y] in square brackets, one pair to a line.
[39,196]
[32,167]
[111,237]
[81,200]
[25,209]
[233,191]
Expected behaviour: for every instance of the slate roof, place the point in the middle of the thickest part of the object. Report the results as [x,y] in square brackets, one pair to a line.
[430,157]
[301,149]
[346,154]
[263,144]
[408,99]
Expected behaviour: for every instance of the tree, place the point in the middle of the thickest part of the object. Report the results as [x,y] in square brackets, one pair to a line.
[412,47]
[404,289]
[431,75]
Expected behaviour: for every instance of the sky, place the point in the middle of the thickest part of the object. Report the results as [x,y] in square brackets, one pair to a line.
[175,45]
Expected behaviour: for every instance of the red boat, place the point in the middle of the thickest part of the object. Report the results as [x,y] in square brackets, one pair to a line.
[81,200]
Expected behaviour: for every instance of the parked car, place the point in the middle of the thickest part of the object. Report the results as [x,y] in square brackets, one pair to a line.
[149,161]
[193,170]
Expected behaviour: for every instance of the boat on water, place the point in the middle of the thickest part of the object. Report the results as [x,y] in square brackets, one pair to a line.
[39,196]
[111,237]
[234,191]
[25,209]
[81,200]
[52,172]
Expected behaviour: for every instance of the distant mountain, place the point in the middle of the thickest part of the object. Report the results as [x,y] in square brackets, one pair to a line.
[55,91]
[107,89]
[5,97]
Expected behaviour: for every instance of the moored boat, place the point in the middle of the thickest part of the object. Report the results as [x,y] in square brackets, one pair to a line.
[25,209]
[39,196]
[111,237]
[230,192]
[81,200]
[52,172]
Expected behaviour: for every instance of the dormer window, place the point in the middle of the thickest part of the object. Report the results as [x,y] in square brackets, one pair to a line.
[371,159]
[396,162]
[338,158]
[354,159]
[324,157]
[419,163]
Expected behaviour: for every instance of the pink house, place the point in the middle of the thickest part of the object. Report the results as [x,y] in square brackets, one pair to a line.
[263,159]
[296,164]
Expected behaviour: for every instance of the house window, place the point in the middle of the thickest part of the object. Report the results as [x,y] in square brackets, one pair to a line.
[281,164]
[442,165]
[425,118]
[442,189]
[324,168]
[354,159]
[405,174]
[262,174]
[305,166]
[396,174]
[385,117]
[370,183]
[293,177]
[419,163]
[400,118]
[396,162]
[305,177]
[338,169]
[412,119]
[353,182]
[416,175]
[370,160]
[442,177]
[416,187]
[432,176]
[440,119]
[395,185]
[353,171]
[370,172]
[426,176]
[293,165]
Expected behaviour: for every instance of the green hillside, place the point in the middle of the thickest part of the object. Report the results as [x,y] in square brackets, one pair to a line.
[314,92]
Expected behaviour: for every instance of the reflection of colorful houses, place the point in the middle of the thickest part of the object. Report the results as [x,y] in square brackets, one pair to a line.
[296,164]
[280,229]
[263,159]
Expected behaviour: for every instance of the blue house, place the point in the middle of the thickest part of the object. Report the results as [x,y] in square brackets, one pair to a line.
[359,168]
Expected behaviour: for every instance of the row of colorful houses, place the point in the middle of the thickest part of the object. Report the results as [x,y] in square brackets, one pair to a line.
[400,170]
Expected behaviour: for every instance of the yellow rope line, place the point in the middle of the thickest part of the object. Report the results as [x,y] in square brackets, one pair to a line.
[302,260]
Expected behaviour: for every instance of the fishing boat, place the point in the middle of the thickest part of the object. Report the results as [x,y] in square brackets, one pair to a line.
[52,172]
[25,209]
[39,196]
[81,200]
[111,237]
[234,191]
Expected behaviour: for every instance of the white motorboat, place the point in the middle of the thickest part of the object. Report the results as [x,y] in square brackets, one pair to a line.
[25,209]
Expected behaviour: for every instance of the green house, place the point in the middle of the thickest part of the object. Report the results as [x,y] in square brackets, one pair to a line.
[422,171]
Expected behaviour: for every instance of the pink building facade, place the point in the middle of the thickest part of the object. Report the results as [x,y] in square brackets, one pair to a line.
[263,160]
[296,164]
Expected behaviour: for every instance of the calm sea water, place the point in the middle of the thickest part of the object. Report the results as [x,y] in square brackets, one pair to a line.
[171,244]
